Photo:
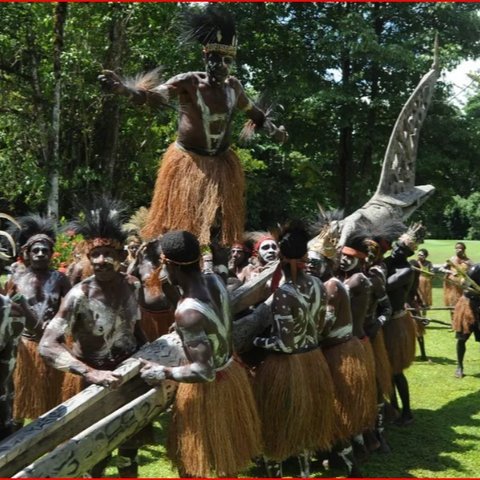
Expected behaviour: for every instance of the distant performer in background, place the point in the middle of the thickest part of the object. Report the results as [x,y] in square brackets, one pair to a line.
[466,316]
[454,267]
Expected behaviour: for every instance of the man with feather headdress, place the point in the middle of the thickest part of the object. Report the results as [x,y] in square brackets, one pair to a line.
[101,315]
[38,388]
[200,186]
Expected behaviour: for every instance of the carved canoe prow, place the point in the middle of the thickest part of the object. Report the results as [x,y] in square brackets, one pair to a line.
[397,196]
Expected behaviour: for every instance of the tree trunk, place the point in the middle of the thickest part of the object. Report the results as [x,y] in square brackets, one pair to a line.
[59,24]
[374,74]
[107,125]
[346,137]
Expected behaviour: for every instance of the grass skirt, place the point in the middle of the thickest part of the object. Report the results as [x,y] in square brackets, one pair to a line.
[215,428]
[352,388]
[425,290]
[383,369]
[191,190]
[463,316]
[38,387]
[400,340]
[451,294]
[295,397]
[156,324]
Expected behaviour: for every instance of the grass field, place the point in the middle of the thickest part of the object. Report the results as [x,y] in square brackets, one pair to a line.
[444,440]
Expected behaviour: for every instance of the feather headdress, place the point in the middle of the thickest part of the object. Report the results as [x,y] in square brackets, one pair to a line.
[34,228]
[101,224]
[213,27]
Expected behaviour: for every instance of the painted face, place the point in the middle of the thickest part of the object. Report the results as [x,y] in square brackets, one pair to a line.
[132,248]
[400,251]
[40,254]
[218,66]
[316,264]
[348,262]
[105,262]
[268,251]
[237,256]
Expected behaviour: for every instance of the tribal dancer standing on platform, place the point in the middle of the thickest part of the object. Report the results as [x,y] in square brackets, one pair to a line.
[200,186]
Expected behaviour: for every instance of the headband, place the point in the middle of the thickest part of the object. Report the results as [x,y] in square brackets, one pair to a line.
[39,237]
[221,48]
[165,259]
[261,240]
[103,242]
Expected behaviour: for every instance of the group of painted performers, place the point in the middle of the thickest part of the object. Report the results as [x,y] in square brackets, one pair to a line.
[304,372]
[332,345]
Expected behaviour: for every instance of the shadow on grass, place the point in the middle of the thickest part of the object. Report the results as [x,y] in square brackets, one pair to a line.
[436,360]
[430,443]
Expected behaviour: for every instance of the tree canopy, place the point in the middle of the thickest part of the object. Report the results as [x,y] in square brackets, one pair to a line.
[335,74]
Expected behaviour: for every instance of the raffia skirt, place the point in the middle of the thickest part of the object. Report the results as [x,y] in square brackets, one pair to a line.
[295,396]
[352,388]
[451,294]
[400,340]
[155,324]
[38,387]
[215,429]
[425,290]
[191,191]
[383,369]
[463,316]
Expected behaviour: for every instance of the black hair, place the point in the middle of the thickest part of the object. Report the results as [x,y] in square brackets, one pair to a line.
[462,244]
[424,251]
[293,240]
[357,241]
[181,247]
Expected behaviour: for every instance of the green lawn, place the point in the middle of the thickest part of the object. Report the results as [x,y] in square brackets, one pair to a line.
[440,250]
[444,440]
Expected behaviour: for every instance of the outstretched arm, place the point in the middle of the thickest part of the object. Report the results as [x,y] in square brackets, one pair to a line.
[258,118]
[143,89]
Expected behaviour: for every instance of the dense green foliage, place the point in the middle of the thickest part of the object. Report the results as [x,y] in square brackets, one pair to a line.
[336,74]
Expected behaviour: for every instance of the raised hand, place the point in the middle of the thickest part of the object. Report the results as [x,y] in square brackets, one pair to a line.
[111,82]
